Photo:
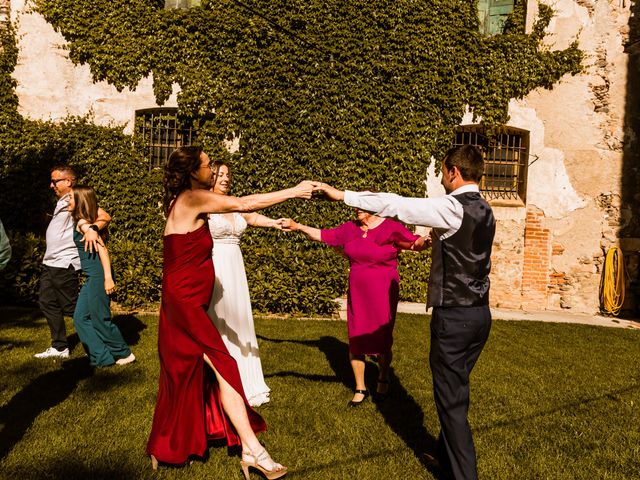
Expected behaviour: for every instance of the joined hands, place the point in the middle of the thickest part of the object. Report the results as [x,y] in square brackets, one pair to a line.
[329,192]
[305,189]
[287,224]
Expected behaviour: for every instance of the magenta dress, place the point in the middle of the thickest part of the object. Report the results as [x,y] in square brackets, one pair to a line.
[372,299]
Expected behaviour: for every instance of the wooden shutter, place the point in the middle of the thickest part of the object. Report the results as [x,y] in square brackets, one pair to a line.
[181,3]
[493,14]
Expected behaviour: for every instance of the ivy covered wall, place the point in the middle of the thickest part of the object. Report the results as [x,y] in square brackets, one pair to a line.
[359,94]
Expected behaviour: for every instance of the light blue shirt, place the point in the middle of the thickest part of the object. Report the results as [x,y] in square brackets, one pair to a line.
[61,249]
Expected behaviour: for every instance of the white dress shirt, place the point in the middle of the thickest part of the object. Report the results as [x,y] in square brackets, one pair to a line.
[443,214]
[61,249]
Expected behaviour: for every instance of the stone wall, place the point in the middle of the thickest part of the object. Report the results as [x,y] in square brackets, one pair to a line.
[575,207]
[50,87]
[4,12]
[507,258]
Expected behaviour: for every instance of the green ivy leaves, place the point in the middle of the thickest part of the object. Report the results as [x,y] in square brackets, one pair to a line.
[359,94]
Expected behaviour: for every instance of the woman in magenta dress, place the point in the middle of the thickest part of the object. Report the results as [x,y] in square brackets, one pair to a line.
[200,395]
[371,244]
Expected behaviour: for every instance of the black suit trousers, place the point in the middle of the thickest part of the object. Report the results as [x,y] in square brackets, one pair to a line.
[58,296]
[458,335]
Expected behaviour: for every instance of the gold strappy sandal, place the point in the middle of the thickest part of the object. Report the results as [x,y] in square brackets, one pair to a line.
[249,460]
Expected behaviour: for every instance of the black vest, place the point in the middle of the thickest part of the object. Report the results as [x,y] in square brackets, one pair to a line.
[460,264]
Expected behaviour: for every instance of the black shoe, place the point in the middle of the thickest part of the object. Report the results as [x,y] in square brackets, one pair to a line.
[356,404]
[431,460]
[379,396]
[435,465]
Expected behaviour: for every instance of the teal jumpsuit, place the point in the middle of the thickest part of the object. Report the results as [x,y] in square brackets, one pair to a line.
[92,318]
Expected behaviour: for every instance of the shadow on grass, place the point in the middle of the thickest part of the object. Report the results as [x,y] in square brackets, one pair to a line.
[7,344]
[570,406]
[43,393]
[113,377]
[130,326]
[20,317]
[400,410]
[70,468]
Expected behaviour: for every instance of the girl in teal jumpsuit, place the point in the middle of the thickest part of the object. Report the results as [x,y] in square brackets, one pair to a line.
[92,318]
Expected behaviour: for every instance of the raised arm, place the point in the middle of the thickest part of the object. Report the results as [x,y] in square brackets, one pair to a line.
[256,220]
[405,239]
[103,219]
[443,213]
[290,225]
[205,201]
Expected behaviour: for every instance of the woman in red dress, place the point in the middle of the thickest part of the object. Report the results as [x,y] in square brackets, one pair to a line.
[198,402]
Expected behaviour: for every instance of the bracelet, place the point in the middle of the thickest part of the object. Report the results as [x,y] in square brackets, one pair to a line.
[94,228]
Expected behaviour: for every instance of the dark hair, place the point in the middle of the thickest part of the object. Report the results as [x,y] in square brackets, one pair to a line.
[86,204]
[215,166]
[68,171]
[468,159]
[182,162]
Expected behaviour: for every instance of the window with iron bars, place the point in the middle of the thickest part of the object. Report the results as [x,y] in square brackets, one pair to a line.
[506,157]
[162,131]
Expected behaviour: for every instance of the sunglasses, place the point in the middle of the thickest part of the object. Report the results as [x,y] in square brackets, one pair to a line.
[55,182]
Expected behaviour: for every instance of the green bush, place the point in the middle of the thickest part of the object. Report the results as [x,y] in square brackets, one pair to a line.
[19,281]
[358,94]
[293,275]
[137,270]
[413,268]
[107,160]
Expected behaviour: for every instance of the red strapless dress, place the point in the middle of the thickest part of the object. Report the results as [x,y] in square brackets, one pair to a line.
[188,409]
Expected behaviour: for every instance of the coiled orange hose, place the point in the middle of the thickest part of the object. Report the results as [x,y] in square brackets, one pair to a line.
[612,282]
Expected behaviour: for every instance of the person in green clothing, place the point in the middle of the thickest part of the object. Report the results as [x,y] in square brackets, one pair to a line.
[92,318]
[5,247]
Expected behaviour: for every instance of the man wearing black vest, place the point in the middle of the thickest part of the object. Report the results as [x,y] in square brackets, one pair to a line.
[462,233]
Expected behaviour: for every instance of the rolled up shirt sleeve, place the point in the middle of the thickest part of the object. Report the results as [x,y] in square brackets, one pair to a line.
[442,213]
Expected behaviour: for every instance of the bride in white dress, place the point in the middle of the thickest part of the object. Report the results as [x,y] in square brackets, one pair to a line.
[230,308]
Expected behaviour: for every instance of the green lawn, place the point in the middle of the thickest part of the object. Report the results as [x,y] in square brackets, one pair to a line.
[549,401]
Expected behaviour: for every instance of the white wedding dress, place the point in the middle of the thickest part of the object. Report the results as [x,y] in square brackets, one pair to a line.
[230,308]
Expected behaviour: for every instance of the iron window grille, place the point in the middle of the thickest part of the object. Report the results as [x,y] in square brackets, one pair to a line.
[506,157]
[162,131]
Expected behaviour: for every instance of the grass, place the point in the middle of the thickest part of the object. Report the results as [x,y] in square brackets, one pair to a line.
[549,401]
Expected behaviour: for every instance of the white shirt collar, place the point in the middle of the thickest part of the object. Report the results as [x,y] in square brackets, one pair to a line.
[62,205]
[470,187]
